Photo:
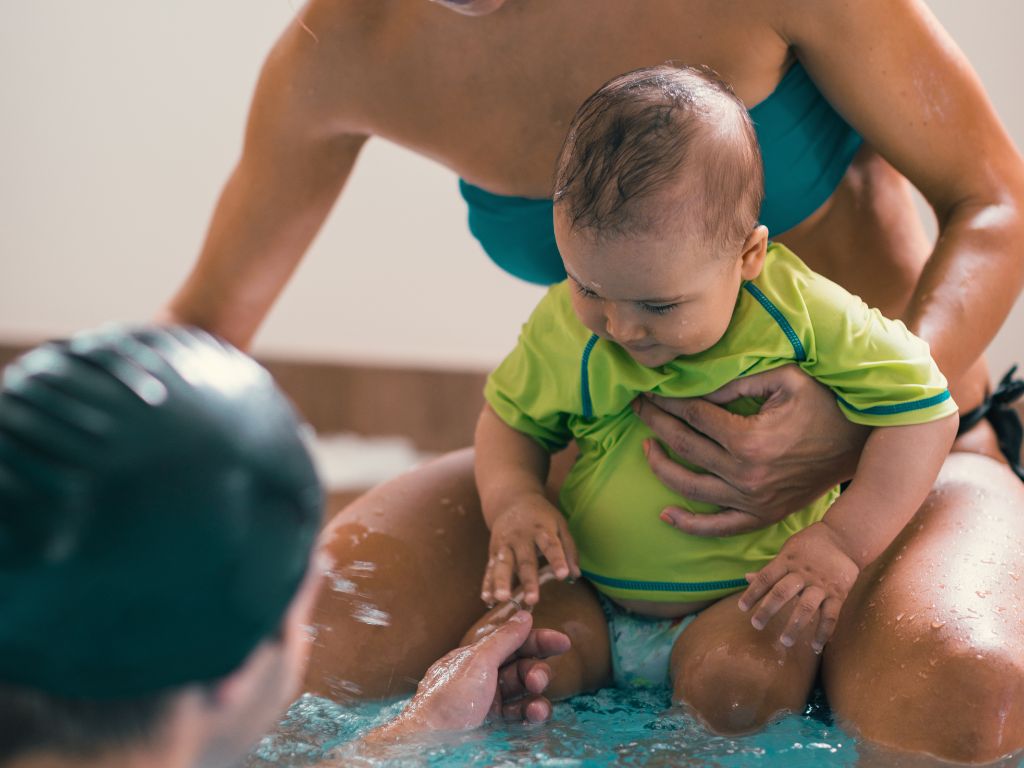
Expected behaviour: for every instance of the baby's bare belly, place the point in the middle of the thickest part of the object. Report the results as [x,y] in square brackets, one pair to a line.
[663,610]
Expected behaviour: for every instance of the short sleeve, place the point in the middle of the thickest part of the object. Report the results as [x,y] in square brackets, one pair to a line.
[536,389]
[882,374]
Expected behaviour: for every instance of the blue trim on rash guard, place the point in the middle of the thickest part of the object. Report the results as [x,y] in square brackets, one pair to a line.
[666,586]
[778,317]
[588,404]
[889,410]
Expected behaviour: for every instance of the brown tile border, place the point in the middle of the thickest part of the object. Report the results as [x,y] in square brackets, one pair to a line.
[436,409]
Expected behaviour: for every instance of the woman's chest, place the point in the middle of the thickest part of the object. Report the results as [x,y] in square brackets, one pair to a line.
[492,97]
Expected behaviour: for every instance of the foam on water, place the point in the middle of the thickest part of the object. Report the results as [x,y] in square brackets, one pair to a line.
[611,727]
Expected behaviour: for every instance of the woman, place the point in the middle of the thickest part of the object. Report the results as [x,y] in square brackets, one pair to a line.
[489,91]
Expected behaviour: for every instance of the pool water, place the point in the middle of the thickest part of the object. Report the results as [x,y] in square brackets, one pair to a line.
[611,727]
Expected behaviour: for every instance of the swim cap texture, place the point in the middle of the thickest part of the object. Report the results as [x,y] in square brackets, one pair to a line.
[157,511]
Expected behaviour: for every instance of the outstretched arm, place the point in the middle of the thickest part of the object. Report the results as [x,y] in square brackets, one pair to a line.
[502,676]
[295,160]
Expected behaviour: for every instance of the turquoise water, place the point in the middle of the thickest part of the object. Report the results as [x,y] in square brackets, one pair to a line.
[611,727]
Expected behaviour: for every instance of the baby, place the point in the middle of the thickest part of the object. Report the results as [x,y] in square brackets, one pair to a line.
[675,289]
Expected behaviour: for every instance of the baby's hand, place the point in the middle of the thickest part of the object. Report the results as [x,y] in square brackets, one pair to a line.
[530,524]
[812,566]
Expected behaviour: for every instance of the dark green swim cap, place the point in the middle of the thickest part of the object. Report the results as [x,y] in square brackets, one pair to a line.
[157,511]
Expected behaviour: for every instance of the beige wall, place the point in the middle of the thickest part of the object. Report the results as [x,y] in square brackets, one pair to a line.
[121,119]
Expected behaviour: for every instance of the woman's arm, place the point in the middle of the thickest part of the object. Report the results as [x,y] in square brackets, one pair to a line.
[897,77]
[296,157]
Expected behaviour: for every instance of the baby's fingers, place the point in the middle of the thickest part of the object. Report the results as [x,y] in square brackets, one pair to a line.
[760,583]
[570,552]
[827,623]
[526,570]
[501,567]
[803,613]
[784,590]
[552,550]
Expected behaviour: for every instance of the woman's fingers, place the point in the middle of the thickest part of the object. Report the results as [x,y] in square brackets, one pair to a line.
[667,419]
[686,482]
[725,522]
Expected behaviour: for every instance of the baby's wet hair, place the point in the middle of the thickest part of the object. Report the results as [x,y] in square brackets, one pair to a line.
[644,131]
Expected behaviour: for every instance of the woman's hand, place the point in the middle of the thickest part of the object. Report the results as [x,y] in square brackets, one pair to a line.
[814,572]
[530,524]
[762,467]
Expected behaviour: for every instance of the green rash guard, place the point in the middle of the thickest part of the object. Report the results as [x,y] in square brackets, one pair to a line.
[562,382]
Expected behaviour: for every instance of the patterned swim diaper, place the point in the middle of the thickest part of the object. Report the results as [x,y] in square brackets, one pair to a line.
[641,646]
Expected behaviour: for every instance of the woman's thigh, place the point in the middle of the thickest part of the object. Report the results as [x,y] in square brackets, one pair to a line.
[408,561]
[929,651]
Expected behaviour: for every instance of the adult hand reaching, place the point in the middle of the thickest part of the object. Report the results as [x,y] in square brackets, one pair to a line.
[761,467]
[501,675]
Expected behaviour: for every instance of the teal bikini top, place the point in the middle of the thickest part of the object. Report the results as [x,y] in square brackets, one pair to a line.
[805,144]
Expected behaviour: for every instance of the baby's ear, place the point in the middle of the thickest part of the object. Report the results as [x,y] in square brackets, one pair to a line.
[755,247]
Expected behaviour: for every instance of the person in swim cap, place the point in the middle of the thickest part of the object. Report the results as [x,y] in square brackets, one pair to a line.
[158,514]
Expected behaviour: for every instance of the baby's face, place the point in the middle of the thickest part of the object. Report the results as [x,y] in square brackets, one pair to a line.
[659,295]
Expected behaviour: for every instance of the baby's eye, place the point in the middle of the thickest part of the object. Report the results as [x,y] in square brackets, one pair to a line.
[582,290]
[658,309]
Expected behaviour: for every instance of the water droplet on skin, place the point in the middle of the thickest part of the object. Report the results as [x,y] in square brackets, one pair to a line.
[899,617]
[372,615]
[938,624]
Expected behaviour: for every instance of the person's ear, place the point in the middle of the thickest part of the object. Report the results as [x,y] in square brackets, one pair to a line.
[752,256]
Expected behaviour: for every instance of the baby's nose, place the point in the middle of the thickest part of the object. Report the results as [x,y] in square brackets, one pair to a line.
[622,327]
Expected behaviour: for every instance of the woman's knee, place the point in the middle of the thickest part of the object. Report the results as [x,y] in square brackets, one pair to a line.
[934,691]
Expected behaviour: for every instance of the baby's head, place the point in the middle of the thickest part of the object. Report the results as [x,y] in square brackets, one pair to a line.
[657,193]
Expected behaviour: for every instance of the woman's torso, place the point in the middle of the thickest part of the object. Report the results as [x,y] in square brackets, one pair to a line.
[491,98]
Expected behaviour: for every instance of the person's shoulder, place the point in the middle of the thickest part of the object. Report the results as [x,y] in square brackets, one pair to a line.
[327,63]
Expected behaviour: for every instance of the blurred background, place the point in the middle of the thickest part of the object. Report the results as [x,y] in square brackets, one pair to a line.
[121,120]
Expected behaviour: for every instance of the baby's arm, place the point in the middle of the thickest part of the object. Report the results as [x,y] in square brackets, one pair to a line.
[511,469]
[820,564]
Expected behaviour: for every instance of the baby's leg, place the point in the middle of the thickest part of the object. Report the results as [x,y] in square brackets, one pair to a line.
[573,609]
[736,678]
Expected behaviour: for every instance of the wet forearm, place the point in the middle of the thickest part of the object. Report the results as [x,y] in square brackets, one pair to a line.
[970,283]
